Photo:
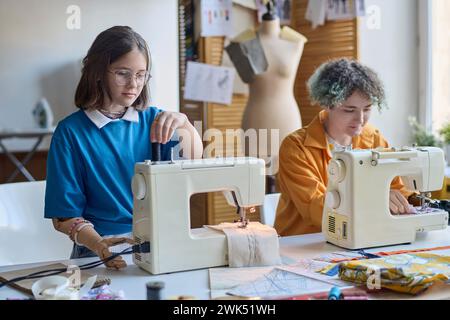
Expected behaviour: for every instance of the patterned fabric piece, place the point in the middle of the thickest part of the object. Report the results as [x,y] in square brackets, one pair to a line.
[406,273]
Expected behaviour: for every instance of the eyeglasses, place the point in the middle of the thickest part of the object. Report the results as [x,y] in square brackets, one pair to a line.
[123,77]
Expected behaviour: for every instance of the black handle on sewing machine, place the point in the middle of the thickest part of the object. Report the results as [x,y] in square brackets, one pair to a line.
[156,152]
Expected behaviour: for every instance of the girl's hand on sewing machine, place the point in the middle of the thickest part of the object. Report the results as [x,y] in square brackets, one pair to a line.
[398,203]
[165,124]
[102,250]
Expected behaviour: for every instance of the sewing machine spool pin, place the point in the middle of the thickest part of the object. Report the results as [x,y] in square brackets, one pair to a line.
[171,156]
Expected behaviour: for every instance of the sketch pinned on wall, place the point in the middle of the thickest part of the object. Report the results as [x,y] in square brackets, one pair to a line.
[318,11]
[250,4]
[216,18]
[209,83]
[345,9]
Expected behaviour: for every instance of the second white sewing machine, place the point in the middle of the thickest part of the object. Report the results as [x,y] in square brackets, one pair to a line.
[356,212]
[161,212]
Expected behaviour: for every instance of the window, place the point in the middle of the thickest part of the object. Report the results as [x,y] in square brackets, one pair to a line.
[440,63]
[435,63]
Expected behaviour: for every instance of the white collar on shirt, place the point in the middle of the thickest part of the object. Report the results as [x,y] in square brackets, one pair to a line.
[100,120]
[338,147]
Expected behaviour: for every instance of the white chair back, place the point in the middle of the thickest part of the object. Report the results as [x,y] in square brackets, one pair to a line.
[25,235]
[269,208]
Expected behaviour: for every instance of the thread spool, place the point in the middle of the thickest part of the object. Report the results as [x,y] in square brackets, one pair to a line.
[156,152]
[154,290]
[335,294]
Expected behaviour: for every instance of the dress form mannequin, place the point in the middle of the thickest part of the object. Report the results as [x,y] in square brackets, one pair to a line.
[271,103]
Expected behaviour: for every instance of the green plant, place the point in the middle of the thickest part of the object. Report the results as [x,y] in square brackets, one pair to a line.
[445,133]
[421,137]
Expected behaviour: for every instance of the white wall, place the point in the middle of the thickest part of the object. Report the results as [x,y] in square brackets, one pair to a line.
[40,56]
[393,52]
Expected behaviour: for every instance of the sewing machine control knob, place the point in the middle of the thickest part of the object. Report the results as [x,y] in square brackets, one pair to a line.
[333,199]
[138,186]
[336,171]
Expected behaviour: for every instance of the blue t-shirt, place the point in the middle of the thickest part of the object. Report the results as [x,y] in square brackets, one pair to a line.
[89,170]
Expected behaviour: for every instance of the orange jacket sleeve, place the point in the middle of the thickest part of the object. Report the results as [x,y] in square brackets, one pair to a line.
[301,179]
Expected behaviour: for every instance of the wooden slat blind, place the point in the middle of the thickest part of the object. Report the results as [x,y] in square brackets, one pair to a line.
[219,117]
[222,117]
[333,40]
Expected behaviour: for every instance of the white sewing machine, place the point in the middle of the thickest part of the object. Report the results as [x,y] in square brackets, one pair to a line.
[161,213]
[356,212]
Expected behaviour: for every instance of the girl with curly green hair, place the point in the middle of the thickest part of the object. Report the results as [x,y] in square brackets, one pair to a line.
[347,91]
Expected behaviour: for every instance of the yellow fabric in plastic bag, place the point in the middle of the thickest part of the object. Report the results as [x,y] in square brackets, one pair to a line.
[406,273]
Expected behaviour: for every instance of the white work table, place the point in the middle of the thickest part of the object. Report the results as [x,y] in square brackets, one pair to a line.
[195,283]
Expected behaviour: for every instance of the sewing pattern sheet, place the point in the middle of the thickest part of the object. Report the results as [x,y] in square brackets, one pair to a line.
[280,283]
[224,280]
[310,269]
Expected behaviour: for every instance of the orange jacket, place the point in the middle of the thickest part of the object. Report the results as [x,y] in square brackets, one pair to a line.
[302,176]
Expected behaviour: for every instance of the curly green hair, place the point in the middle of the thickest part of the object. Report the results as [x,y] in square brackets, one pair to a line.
[335,81]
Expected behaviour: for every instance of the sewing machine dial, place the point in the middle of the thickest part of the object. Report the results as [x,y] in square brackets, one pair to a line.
[333,199]
[138,186]
[336,171]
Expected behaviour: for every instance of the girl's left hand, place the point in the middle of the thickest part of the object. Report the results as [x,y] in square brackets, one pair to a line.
[165,124]
[398,203]
[102,250]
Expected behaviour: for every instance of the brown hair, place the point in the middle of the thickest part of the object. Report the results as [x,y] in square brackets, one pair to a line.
[107,48]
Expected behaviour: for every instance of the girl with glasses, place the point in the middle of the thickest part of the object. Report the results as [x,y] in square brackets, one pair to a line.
[93,151]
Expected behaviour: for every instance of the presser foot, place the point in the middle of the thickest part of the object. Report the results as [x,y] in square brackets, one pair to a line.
[242,223]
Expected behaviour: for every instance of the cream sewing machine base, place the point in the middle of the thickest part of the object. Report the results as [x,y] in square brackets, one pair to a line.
[161,213]
[356,212]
